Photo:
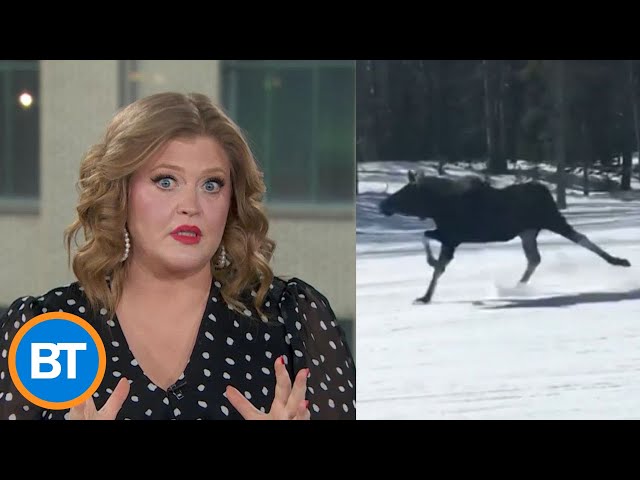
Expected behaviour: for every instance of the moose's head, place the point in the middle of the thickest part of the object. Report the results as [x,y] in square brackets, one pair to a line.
[411,200]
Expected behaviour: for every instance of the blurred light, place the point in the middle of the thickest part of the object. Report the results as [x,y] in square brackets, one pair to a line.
[159,79]
[135,76]
[25,99]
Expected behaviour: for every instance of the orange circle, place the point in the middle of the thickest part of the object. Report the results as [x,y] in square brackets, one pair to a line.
[102,360]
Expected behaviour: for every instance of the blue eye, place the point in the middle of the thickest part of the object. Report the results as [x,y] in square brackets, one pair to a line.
[213,185]
[164,181]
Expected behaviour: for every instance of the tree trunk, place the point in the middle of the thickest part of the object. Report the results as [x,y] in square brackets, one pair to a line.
[633,80]
[488,114]
[367,112]
[586,156]
[625,183]
[514,109]
[382,110]
[492,77]
[438,110]
[560,133]
[442,132]
[502,94]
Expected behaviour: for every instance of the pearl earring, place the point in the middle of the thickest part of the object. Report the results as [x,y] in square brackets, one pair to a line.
[222,258]
[127,245]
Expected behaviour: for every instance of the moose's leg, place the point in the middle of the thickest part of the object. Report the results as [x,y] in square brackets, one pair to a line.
[431,260]
[563,228]
[530,246]
[446,255]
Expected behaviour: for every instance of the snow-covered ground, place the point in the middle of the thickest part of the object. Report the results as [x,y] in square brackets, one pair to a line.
[566,346]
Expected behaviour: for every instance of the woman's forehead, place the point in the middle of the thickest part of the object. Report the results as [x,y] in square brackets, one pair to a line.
[189,154]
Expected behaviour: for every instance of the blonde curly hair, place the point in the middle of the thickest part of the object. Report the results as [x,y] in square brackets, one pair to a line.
[135,133]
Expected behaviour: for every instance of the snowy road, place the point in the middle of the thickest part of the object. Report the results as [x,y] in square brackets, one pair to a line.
[565,346]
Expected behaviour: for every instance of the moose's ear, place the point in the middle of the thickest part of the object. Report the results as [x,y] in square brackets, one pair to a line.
[412,176]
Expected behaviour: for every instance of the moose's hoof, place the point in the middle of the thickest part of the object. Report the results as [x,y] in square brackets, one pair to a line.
[421,301]
[623,262]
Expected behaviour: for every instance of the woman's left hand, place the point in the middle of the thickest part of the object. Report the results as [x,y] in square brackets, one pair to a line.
[288,403]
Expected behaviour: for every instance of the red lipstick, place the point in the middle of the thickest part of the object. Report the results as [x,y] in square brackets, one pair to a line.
[187,234]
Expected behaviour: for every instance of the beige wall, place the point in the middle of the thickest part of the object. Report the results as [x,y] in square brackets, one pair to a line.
[19,245]
[184,76]
[78,99]
[320,252]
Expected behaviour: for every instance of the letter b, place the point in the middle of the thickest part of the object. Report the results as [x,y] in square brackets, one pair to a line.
[37,359]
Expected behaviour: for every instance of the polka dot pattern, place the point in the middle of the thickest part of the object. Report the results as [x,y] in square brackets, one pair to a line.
[236,348]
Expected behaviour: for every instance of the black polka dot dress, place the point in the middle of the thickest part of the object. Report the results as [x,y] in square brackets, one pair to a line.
[232,348]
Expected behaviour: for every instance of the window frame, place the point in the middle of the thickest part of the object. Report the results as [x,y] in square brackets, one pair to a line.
[303,208]
[11,203]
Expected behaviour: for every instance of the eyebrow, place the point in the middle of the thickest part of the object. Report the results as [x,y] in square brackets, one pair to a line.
[181,170]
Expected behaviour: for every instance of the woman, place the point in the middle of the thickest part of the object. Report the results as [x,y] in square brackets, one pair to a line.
[174,274]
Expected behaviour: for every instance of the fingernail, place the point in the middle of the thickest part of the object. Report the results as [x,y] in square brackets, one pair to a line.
[306,404]
[282,359]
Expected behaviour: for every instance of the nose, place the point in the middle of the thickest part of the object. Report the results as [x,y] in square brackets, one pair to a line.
[384,208]
[188,203]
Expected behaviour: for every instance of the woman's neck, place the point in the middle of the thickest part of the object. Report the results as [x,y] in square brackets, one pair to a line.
[151,287]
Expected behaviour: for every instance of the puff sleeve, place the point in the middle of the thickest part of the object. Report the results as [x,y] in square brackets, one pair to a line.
[13,405]
[319,343]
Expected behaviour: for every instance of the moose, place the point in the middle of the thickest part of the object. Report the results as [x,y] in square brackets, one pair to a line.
[470,210]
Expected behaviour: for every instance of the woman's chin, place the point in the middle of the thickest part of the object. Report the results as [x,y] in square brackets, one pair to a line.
[186,264]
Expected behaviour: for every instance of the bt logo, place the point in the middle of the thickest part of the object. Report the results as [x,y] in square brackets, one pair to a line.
[57,360]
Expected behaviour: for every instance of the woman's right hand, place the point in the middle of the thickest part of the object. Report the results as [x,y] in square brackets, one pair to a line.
[288,404]
[87,409]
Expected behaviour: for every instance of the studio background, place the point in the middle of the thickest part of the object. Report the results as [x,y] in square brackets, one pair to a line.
[299,117]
